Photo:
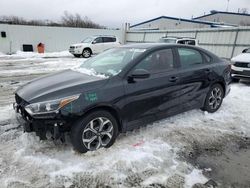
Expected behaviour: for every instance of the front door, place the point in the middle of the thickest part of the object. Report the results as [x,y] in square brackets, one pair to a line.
[146,98]
[97,45]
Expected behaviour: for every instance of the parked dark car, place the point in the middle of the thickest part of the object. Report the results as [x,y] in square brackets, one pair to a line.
[122,89]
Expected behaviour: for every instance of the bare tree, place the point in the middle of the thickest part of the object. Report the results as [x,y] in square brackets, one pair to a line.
[67,20]
[75,20]
[244,10]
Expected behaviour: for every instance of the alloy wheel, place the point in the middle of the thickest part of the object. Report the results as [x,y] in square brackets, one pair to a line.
[86,53]
[215,98]
[97,133]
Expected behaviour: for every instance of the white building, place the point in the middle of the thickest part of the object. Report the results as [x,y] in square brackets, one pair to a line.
[238,19]
[166,22]
[14,37]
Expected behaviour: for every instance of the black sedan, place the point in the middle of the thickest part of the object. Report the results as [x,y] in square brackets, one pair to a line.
[122,89]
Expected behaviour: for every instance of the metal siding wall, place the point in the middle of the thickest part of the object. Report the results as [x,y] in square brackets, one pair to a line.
[135,37]
[224,42]
[54,38]
[244,37]
[152,37]
[4,42]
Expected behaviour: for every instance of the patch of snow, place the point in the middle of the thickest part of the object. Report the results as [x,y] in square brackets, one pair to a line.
[23,55]
[194,177]
[42,67]
[90,72]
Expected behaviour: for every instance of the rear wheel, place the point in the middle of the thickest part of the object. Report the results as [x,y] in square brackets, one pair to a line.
[214,98]
[96,130]
[86,53]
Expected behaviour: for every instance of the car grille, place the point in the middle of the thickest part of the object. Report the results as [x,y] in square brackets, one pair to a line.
[72,47]
[242,64]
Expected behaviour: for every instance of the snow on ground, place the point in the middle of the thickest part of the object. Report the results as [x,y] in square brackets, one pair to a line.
[20,54]
[147,157]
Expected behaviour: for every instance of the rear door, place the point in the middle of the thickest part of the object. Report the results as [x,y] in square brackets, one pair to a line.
[147,98]
[195,75]
[109,42]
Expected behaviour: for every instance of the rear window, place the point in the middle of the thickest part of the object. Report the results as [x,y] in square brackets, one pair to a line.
[189,57]
[109,39]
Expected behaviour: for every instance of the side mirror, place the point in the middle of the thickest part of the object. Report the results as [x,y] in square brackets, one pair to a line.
[94,42]
[140,74]
[244,51]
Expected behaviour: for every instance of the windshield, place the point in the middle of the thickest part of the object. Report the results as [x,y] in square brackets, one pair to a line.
[110,62]
[166,40]
[88,40]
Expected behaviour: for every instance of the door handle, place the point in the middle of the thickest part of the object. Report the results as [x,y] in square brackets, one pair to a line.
[173,79]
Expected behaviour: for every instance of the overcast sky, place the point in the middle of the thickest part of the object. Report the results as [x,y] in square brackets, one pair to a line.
[113,13]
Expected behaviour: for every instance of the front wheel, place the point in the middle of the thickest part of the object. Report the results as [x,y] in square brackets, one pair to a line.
[214,98]
[86,53]
[96,130]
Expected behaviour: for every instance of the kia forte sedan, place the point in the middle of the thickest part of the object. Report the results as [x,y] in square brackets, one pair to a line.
[120,90]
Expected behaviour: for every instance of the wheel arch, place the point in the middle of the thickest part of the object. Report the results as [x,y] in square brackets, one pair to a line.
[222,84]
[115,112]
[88,48]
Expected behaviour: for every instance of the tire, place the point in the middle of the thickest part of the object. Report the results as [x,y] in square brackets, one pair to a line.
[86,53]
[214,98]
[86,134]
[76,55]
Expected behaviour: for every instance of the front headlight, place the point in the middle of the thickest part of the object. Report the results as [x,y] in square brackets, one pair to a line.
[78,47]
[49,106]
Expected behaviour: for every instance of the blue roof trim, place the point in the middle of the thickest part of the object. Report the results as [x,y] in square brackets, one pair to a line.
[179,19]
[221,12]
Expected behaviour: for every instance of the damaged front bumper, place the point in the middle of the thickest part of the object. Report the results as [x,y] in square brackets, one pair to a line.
[41,126]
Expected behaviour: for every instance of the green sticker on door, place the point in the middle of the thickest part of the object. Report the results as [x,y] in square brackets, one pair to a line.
[91,97]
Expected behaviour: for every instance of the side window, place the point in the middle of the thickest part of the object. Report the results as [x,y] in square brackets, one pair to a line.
[109,39]
[157,61]
[98,40]
[189,57]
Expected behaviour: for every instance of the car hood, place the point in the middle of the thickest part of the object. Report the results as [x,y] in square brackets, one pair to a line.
[58,85]
[245,57]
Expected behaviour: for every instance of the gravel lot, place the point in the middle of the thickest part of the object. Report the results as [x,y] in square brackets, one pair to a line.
[193,149]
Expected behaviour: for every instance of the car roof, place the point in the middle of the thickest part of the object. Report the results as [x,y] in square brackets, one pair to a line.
[153,46]
[149,46]
[146,45]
